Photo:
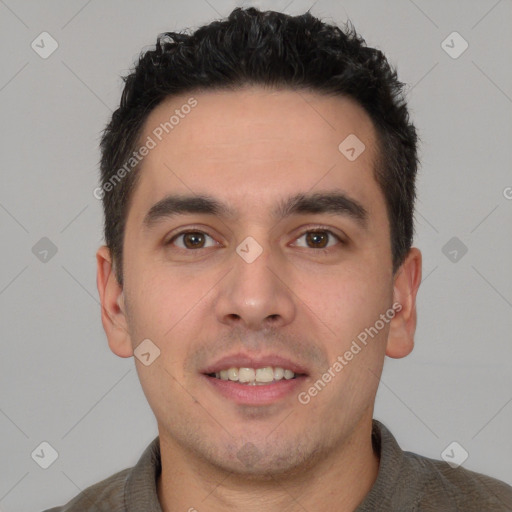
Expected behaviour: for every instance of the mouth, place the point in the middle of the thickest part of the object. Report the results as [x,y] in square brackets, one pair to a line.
[255,376]
[255,382]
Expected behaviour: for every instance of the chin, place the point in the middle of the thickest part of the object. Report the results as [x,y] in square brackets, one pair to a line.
[270,461]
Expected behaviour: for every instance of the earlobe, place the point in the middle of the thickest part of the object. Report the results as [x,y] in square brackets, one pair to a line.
[403,325]
[113,315]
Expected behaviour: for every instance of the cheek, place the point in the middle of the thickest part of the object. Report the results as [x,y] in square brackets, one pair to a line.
[169,309]
[156,294]
[346,301]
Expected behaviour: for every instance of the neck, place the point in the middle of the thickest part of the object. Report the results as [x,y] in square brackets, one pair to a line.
[338,482]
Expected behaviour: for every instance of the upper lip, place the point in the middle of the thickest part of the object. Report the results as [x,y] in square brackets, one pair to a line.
[246,361]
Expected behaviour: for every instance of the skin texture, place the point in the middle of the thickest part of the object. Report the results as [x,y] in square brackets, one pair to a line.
[252,148]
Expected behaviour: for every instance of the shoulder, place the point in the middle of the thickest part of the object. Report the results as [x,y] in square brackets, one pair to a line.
[104,496]
[132,488]
[416,483]
[437,482]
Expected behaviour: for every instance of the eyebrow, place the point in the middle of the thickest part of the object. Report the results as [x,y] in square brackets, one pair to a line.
[336,203]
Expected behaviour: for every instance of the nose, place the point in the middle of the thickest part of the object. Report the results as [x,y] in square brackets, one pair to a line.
[256,295]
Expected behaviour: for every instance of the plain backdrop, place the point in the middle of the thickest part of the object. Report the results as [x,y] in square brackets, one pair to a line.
[60,383]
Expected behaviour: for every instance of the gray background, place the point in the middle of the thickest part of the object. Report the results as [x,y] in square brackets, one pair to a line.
[60,383]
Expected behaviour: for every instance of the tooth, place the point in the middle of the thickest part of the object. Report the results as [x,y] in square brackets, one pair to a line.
[278,373]
[246,375]
[288,374]
[265,374]
[233,374]
[224,374]
[217,375]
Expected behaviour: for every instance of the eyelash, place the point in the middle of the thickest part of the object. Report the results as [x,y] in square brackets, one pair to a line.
[318,229]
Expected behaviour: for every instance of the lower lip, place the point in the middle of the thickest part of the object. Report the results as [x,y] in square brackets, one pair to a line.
[255,395]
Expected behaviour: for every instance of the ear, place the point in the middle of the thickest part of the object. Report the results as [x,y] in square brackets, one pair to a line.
[403,325]
[113,315]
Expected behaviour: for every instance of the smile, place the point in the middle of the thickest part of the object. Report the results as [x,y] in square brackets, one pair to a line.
[254,376]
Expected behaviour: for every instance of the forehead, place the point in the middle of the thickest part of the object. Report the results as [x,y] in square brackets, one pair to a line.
[254,144]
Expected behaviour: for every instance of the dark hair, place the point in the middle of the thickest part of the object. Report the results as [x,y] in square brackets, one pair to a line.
[271,49]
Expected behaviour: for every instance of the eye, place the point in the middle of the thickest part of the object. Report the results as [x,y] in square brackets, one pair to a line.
[194,239]
[319,238]
[191,240]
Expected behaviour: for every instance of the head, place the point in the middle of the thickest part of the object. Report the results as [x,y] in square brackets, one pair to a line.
[245,116]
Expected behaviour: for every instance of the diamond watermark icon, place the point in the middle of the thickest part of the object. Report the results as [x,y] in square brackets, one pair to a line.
[45,455]
[454,454]
[248,455]
[351,147]
[454,249]
[454,45]
[146,352]
[44,250]
[249,249]
[44,45]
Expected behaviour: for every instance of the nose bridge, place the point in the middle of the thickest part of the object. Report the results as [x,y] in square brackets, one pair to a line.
[254,293]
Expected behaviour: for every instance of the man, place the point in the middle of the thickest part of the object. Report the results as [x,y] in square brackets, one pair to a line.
[258,183]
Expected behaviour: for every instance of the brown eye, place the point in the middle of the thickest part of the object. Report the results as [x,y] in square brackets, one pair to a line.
[319,239]
[191,240]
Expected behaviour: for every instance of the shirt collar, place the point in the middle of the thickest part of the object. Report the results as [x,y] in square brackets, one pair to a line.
[140,491]
[390,461]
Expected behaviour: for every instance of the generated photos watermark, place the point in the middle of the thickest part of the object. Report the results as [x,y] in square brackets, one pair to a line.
[304,397]
[151,142]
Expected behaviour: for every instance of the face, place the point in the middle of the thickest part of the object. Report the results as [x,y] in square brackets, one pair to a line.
[257,276]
